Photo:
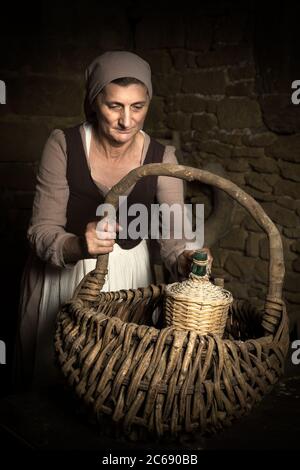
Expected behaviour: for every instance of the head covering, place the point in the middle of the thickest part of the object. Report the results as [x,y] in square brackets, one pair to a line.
[110,66]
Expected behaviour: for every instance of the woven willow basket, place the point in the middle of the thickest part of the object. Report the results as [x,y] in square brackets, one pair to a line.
[196,304]
[168,380]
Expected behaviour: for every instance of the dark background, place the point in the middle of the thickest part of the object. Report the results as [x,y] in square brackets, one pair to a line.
[222,74]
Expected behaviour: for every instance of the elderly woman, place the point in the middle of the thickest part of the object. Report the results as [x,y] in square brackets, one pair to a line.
[78,167]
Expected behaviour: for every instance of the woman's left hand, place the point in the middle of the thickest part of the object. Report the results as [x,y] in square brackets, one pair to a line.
[184,261]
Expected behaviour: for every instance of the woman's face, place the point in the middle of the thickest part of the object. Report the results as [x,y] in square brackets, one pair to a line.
[121,111]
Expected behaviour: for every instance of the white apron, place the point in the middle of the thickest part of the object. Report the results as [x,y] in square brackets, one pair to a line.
[127,269]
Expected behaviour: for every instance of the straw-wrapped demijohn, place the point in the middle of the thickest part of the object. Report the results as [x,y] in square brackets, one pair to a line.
[197,304]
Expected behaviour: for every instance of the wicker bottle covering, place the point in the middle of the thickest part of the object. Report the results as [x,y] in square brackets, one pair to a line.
[197,304]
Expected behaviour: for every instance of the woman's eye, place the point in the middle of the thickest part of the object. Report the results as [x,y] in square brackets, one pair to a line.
[138,107]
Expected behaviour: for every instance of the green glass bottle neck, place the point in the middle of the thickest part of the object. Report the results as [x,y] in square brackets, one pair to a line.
[199,264]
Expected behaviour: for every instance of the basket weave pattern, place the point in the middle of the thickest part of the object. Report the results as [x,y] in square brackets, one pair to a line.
[171,380]
[167,381]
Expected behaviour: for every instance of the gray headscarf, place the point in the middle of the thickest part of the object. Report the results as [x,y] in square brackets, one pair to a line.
[110,66]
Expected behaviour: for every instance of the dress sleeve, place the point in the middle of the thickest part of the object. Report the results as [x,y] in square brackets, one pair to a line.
[46,233]
[171,191]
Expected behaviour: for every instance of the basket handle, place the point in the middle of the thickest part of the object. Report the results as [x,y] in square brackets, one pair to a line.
[276,260]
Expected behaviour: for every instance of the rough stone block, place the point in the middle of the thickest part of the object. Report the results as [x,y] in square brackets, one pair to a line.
[292,282]
[183,59]
[156,115]
[257,181]
[279,215]
[220,257]
[229,137]
[212,105]
[235,240]
[280,114]
[292,297]
[261,271]
[249,152]
[241,72]
[166,84]
[238,290]
[262,139]
[204,82]
[290,171]
[239,216]
[187,136]
[179,121]
[215,147]
[287,188]
[292,232]
[245,88]
[256,293]
[296,267]
[204,122]
[238,165]
[189,103]
[251,225]
[265,165]
[295,247]
[239,113]
[286,147]
[287,202]
[240,266]
[264,249]
[252,244]
[272,179]
[258,195]
[236,178]
[191,60]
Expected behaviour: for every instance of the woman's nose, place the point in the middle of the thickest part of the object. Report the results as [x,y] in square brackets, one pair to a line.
[125,118]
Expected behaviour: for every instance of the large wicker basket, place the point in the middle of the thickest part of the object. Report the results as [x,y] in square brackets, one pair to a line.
[170,380]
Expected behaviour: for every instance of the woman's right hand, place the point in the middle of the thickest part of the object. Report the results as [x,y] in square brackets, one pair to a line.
[100,237]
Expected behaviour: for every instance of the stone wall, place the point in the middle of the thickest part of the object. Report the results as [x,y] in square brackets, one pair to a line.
[207,80]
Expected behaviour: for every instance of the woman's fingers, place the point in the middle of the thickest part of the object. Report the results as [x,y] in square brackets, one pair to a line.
[103,235]
[99,237]
[189,254]
[109,226]
[209,256]
[184,261]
